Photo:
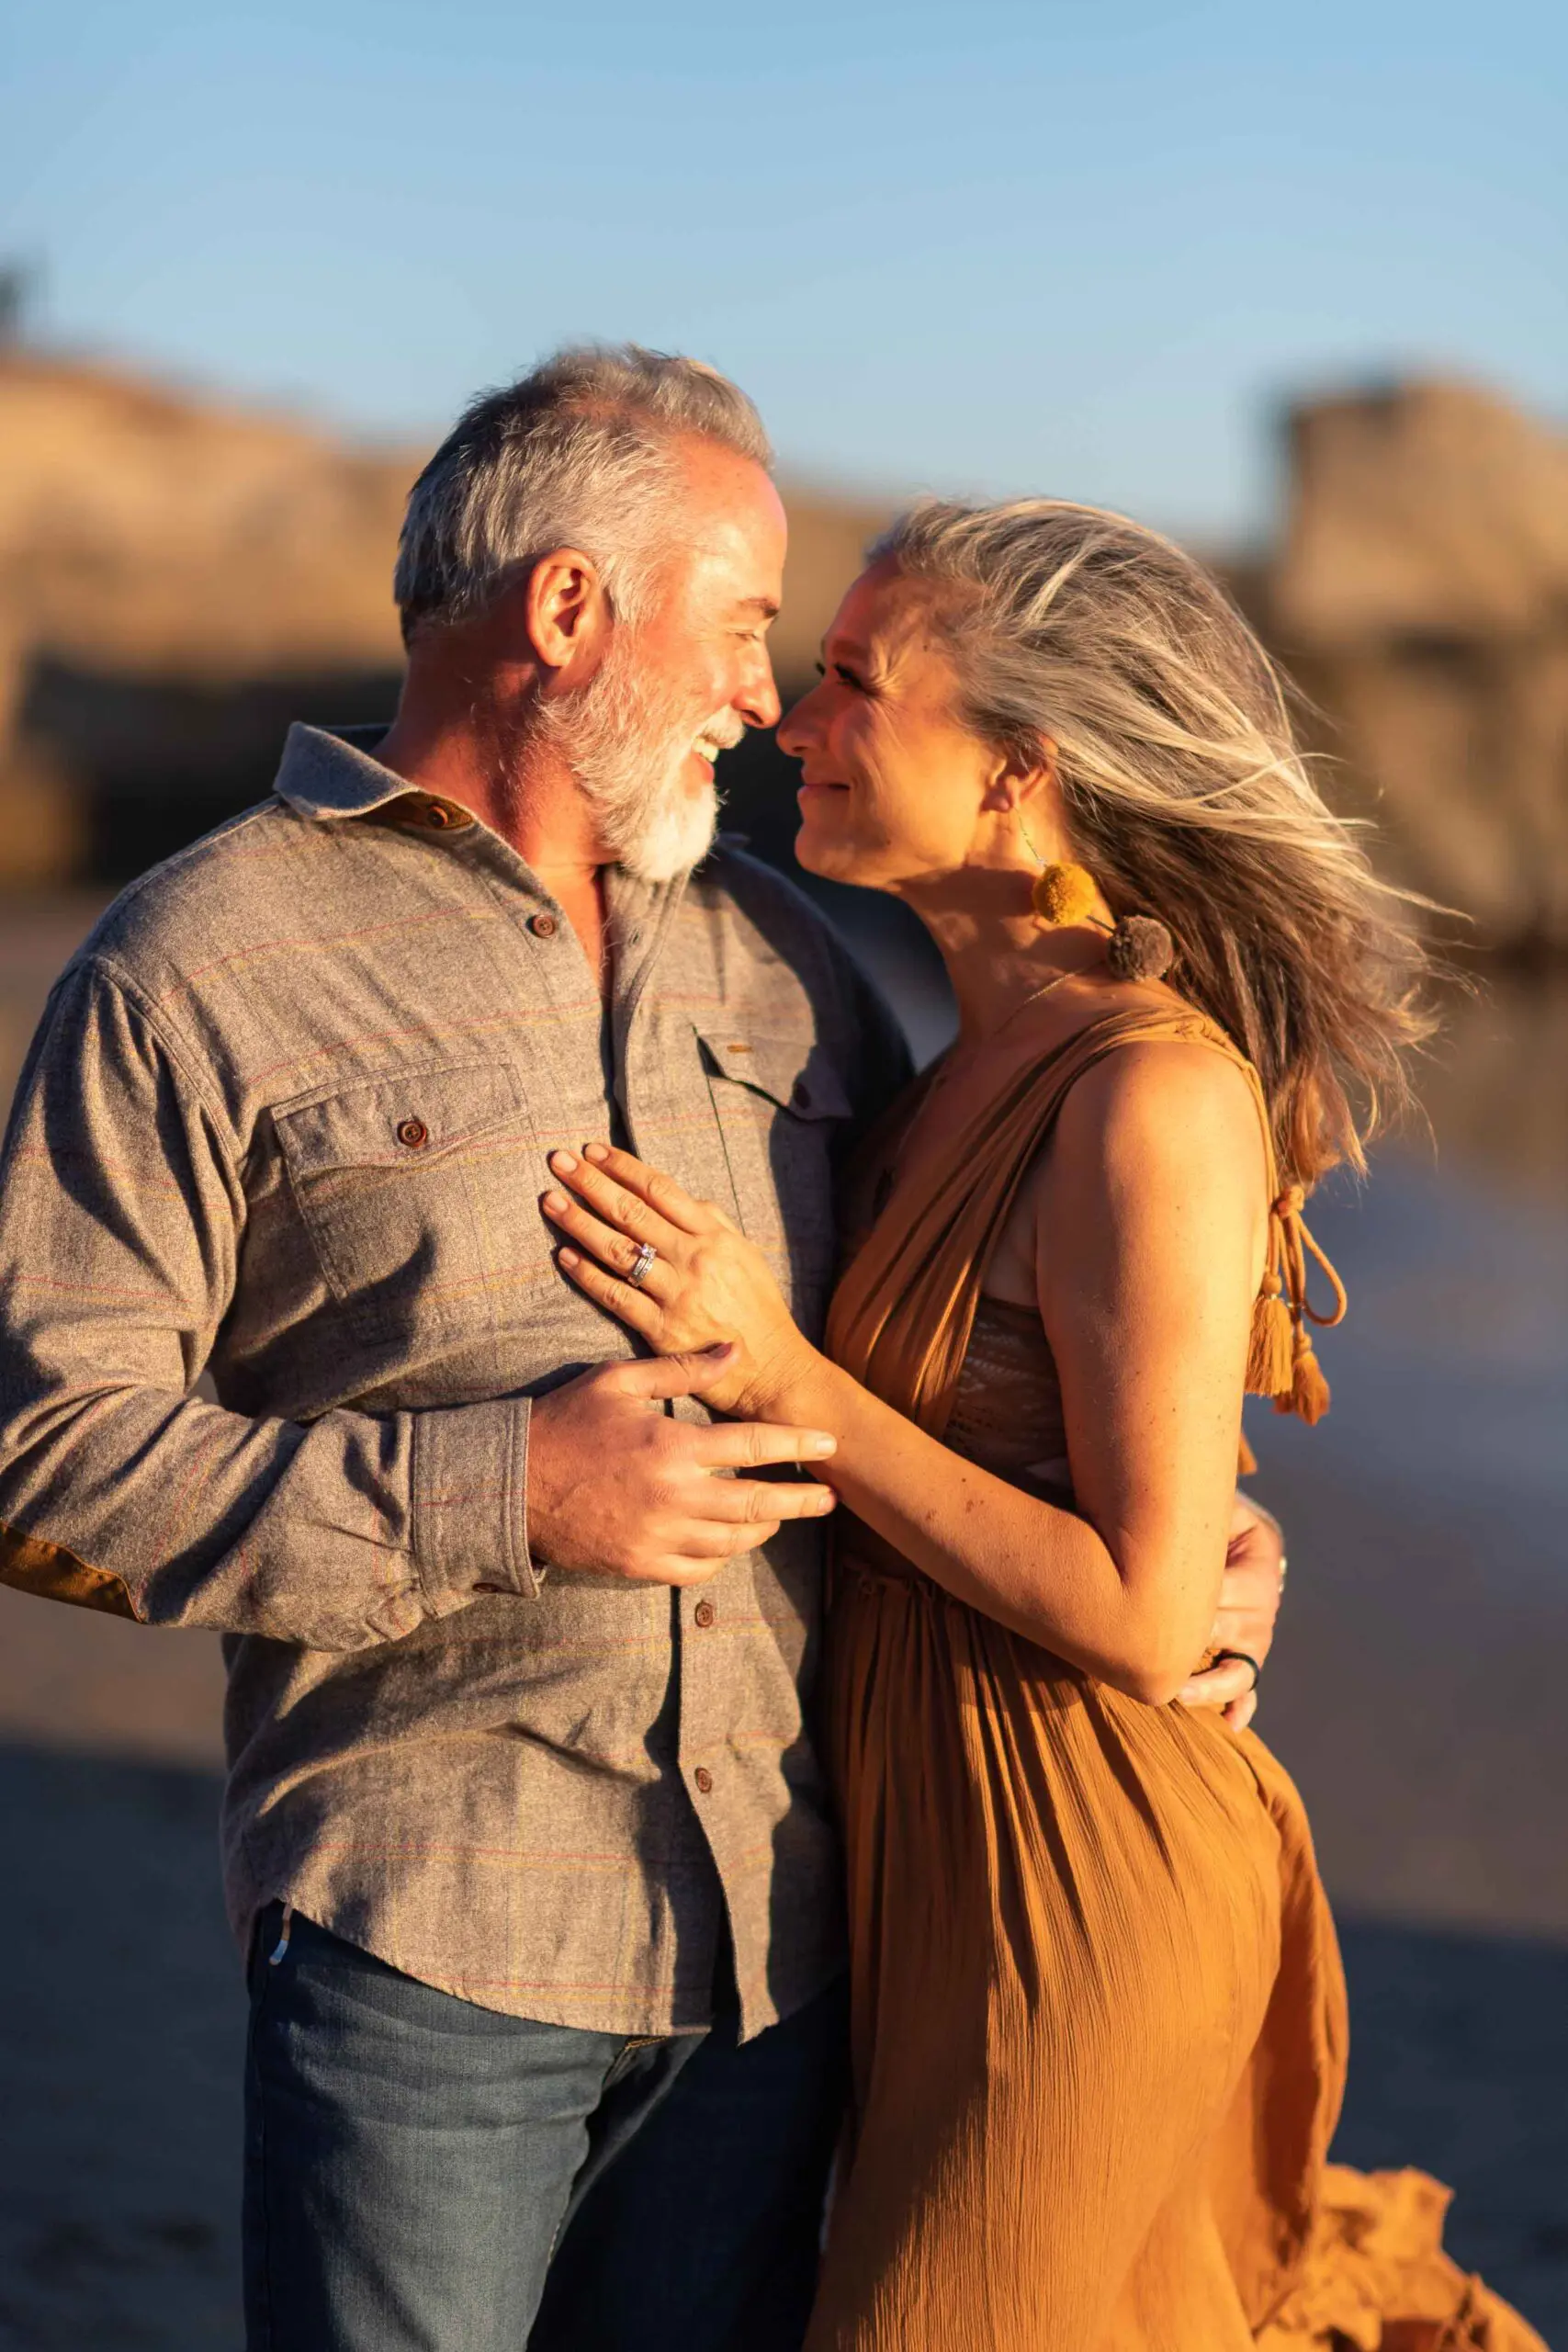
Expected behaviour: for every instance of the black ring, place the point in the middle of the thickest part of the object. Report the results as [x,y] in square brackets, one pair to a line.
[1247,1659]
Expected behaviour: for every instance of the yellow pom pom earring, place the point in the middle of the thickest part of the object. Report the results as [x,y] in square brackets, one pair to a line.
[1062,894]
[1137,947]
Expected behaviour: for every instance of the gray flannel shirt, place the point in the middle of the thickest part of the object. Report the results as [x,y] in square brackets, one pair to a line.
[285,1122]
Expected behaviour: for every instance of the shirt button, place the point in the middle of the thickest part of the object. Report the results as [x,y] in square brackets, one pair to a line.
[704,1613]
[543,926]
[703,1780]
[413,1133]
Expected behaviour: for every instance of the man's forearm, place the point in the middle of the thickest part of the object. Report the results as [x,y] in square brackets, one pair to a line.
[335,1536]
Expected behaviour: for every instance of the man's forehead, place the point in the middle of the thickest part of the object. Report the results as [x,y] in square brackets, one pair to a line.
[734,535]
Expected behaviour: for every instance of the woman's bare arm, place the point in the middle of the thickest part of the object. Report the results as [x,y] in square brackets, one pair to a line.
[1149,1211]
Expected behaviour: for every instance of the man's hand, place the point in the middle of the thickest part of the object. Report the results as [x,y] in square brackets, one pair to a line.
[616,1484]
[1249,1602]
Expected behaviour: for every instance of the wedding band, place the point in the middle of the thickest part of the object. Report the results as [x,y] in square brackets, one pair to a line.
[1243,1658]
[646,1254]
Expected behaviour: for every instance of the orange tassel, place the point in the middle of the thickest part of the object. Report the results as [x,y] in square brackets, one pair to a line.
[1308,1396]
[1280,1363]
[1269,1357]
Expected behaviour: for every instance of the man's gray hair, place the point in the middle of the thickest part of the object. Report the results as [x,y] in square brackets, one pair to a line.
[581,452]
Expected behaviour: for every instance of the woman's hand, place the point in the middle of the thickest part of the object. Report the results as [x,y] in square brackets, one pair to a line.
[1249,1603]
[704,1284]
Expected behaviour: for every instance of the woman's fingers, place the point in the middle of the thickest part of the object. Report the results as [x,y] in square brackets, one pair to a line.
[616,1203]
[633,1307]
[1221,1686]
[615,1251]
[651,1185]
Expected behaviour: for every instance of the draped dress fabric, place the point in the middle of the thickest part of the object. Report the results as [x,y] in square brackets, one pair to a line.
[1099,2013]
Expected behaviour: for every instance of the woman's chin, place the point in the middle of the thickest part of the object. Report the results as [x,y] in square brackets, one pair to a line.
[820,853]
[837,860]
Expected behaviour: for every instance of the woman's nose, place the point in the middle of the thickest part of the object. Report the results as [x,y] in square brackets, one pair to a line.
[797,728]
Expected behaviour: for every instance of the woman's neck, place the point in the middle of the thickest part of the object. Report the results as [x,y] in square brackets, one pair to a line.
[996,953]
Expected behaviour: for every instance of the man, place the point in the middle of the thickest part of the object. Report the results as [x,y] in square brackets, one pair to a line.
[524,1830]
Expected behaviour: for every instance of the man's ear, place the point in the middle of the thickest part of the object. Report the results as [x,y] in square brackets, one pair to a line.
[565,610]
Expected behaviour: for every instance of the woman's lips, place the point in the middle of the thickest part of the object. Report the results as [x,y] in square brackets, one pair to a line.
[811,795]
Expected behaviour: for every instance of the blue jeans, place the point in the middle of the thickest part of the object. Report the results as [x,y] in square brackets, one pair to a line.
[425,2175]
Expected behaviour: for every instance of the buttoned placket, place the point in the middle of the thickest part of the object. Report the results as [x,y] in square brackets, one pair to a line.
[638,919]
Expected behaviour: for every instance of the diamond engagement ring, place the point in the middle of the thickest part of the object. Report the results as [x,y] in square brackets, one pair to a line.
[638,1272]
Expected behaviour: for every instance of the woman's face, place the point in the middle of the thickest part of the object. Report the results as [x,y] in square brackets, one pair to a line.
[895,791]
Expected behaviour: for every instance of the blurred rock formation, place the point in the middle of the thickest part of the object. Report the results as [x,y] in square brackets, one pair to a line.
[1420,595]
[178,580]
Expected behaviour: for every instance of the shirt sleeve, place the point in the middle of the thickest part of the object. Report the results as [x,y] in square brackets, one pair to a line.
[121,1218]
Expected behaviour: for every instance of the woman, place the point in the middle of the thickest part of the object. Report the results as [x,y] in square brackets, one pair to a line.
[1099,2014]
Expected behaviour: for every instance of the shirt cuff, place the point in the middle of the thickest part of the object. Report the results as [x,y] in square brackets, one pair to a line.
[470,1502]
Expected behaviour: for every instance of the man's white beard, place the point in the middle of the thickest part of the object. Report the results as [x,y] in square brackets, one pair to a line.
[626,739]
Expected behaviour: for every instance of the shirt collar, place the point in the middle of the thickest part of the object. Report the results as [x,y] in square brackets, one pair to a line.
[330,773]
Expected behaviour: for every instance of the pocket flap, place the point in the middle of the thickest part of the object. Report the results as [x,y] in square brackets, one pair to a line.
[400,1122]
[795,1072]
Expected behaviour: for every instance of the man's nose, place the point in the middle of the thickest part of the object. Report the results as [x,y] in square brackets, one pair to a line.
[757,701]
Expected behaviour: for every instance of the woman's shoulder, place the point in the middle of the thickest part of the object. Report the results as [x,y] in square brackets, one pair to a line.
[1172,1095]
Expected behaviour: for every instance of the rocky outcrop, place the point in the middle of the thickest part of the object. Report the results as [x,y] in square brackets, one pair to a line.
[165,563]
[178,579]
[1420,593]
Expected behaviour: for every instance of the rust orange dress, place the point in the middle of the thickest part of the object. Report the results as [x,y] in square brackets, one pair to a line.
[1099,2014]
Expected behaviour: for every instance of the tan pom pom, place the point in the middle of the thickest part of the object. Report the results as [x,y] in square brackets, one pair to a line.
[1140,948]
[1063,894]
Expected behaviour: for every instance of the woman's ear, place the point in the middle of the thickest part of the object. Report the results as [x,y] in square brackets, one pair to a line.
[1025,783]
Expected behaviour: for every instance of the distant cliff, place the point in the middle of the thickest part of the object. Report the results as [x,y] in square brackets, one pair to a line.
[178,579]
[1420,593]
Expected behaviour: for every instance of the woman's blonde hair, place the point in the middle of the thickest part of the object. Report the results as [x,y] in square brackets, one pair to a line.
[1186,796]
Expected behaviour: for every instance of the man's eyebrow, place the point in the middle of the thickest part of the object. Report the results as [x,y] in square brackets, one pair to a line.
[766,605]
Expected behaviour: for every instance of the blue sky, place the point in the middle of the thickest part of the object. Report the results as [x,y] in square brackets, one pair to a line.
[1079,248]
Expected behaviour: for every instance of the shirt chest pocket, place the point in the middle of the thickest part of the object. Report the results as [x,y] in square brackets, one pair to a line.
[781,1106]
[418,1193]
